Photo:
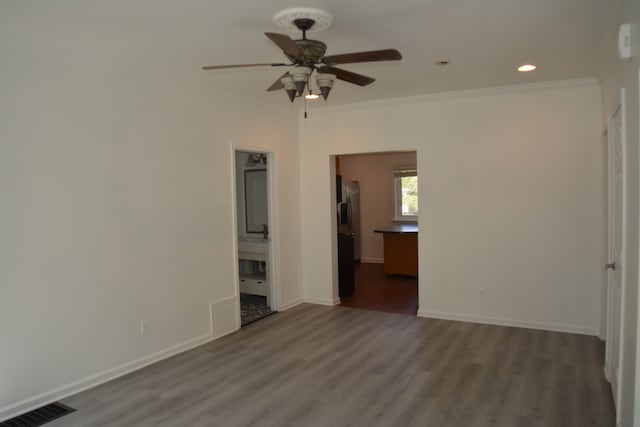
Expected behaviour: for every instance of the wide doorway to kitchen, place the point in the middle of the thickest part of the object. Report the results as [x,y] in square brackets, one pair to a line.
[377,224]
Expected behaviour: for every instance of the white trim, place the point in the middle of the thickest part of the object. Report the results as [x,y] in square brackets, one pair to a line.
[397,200]
[623,251]
[322,301]
[406,218]
[602,334]
[502,321]
[234,225]
[636,410]
[66,390]
[372,260]
[291,304]
[273,203]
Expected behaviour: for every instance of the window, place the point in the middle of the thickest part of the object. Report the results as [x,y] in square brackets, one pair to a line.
[406,194]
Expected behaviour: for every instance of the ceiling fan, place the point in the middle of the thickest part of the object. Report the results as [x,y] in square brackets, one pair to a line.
[308,56]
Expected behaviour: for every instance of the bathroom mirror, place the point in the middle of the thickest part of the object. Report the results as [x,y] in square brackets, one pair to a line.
[255,193]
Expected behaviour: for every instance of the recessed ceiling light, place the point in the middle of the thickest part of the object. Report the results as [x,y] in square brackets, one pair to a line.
[441,62]
[311,96]
[526,67]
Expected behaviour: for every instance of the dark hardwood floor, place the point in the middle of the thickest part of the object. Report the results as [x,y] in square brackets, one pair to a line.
[375,291]
[327,366]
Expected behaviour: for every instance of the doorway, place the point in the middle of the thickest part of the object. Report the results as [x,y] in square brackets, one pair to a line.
[377,206]
[256,285]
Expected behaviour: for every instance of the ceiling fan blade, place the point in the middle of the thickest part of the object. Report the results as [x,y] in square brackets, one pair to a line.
[277,85]
[348,76]
[370,56]
[221,67]
[285,43]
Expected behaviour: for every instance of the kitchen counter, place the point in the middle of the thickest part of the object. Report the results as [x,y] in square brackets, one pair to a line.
[398,228]
[400,249]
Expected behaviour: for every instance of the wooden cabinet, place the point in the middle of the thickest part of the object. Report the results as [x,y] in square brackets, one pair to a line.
[401,254]
[400,249]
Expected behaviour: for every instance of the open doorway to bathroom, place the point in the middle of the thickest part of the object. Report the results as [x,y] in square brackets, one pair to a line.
[377,224]
[255,276]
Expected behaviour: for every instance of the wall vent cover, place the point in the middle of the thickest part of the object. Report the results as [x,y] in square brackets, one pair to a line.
[39,416]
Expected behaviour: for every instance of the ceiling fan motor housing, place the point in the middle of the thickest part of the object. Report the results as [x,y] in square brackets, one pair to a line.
[312,50]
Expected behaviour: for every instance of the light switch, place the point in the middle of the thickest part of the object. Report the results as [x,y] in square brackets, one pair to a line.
[624,42]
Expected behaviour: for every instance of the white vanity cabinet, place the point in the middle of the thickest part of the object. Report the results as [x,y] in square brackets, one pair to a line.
[253,269]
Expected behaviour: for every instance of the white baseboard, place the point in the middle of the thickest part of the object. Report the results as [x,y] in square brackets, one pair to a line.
[501,321]
[291,304]
[372,260]
[323,301]
[67,390]
[217,330]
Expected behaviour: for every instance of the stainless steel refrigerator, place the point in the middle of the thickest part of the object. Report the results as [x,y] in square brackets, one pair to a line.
[349,214]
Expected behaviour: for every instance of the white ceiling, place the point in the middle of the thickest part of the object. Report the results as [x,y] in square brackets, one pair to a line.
[484,39]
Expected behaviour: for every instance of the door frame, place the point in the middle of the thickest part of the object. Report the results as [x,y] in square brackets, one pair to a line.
[273,269]
[611,216]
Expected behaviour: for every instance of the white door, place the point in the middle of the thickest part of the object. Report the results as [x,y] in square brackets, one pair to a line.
[615,288]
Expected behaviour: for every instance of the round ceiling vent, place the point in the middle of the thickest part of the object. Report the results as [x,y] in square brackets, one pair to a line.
[284,19]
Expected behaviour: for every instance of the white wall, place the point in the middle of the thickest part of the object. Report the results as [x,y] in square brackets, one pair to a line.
[117,207]
[510,199]
[615,76]
[374,171]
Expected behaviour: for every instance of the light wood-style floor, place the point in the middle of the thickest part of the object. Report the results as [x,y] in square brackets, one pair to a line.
[328,366]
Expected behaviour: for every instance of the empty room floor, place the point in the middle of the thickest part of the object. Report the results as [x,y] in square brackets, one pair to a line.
[327,366]
[374,290]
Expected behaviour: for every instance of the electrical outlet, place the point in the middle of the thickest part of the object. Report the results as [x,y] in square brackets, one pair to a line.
[483,293]
[144,327]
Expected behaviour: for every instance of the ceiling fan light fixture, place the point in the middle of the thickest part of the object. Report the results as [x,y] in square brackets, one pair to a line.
[325,92]
[287,82]
[300,76]
[311,95]
[325,83]
[291,93]
[289,87]
[525,68]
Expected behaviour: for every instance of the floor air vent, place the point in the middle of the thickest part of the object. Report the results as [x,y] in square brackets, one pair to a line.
[39,416]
